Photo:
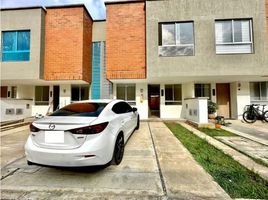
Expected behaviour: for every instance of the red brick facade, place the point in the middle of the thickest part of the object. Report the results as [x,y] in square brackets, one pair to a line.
[125,41]
[68,33]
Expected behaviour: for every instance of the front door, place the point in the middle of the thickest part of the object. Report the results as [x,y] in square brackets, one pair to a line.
[56,97]
[154,100]
[223,99]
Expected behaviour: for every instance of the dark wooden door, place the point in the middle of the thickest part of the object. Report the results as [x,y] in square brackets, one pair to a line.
[4,91]
[223,99]
[56,97]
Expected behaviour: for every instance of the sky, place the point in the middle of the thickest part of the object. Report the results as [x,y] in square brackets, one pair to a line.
[96,8]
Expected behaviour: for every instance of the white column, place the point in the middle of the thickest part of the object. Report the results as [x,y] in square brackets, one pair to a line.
[142,99]
[65,95]
[243,97]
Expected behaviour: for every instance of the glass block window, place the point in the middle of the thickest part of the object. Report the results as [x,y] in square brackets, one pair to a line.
[16,45]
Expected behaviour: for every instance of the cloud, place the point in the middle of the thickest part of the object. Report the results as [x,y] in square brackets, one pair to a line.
[95,7]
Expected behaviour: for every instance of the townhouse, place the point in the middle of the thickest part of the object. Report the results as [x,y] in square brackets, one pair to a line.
[50,57]
[153,54]
[169,51]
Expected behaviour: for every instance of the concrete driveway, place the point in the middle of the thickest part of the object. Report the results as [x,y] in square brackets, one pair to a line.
[155,166]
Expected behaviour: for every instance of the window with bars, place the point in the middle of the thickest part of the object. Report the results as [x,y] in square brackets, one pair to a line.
[173,94]
[176,39]
[16,45]
[234,36]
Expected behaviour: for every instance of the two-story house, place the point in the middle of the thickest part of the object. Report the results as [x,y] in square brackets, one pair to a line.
[161,52]
[50,57]
[153,54]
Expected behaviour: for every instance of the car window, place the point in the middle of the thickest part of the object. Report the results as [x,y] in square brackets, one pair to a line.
[81,110]
[121,107]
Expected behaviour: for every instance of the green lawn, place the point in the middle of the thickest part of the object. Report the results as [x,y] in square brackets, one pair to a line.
[235,179]
[216,132]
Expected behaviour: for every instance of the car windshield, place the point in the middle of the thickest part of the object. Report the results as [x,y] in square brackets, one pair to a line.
[81,110]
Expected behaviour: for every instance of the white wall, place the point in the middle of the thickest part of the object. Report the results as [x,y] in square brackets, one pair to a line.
[25,92]
[196,110]
[142,100]
[233,96]
[65,95]
[14,104]
[39,110]
[243,98]
[213,87]
[170,111]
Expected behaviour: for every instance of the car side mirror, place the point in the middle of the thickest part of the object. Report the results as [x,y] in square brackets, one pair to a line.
[134,109]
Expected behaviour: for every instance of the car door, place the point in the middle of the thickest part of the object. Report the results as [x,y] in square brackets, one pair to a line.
[124,117]
[129,119]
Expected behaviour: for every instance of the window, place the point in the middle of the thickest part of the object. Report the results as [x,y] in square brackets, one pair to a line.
[121,107]
[126,92]
[176,39]
[234,36]
[173,94]
[41,95]
[79,92]
[259,91]
[15,46]
[202,90]
[81,110]
[13,92]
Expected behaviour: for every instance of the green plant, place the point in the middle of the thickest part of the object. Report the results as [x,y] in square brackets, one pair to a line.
[212,107]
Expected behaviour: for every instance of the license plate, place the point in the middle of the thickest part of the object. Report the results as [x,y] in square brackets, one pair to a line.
[54,136]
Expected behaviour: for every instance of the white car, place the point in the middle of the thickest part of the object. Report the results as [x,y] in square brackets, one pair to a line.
[86,133]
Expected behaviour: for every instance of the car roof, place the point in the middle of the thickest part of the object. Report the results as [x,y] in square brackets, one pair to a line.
[99,101]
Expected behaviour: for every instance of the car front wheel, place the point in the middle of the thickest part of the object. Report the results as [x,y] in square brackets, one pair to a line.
[118,149]
[138,123]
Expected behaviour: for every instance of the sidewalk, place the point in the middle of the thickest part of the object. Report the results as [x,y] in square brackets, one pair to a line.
[241,158]
[257,131]
[182,176]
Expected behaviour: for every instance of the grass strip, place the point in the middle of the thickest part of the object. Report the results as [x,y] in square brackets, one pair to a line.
[216,132]
[235,179]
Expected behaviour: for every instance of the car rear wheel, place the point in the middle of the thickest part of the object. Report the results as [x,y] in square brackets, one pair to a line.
[118,149]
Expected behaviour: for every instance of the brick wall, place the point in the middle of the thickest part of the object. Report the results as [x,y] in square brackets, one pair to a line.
[67,44]
[87,47]
[125,40]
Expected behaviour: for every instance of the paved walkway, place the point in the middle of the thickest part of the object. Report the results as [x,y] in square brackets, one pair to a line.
[241,158]
[12,144]
[249,147]
[257,130]
[183,177]
[155,166]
